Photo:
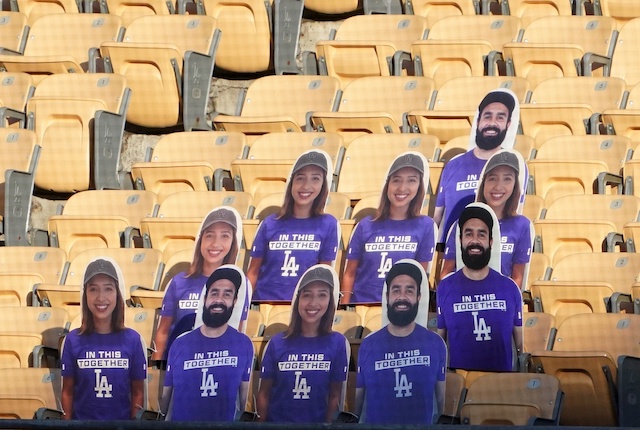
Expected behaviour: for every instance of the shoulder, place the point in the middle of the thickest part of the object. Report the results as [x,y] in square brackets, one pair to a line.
[130,335]
[180,279]
[376,338]
[337,338]
[236,336]
[327,218]
[519,221]
[429,336]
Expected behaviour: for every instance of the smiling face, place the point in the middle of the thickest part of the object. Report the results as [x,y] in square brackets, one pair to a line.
[499,184]
[102,297]
[403,298]
[403,187]
[492,126]
[219,302]
[306,186]
[476,244]
[313,303]
[215,244]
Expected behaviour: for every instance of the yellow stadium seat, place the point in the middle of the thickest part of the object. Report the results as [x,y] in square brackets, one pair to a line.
[434,10]
[47,262]
[35,9]
[529,10]
[130,10]
[539,331]
[17,88]
[24,391]
[621,10]
[13,31]
[625,63]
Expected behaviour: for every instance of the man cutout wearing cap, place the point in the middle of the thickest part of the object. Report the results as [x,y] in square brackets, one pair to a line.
[401,367]
[459,178]
[479,310]
[209,368]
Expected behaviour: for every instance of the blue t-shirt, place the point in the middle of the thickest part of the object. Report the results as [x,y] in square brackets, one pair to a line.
[182,297]
[399,375]
[479,317]
[288,247]
[515,243]
[378,245]
[458,183]
[102,367]
[302,370]
[206,374]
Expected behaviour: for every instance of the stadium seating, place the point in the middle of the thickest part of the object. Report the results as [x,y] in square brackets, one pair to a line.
[435,10]
[130,10]
[621,10]
[63,43]
[100,219]
[539,331]
[34,9]
[13,31]
[466,45]
[375,105]
[556,46]
[79,121]
[48,263]
[624,63]
[24,391]
[168,71]
[529,10]
[20,154]
[188,161]
[369,45]
[17,88]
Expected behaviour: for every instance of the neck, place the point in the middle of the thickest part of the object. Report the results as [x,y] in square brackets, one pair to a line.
[485,154]
[476,275]
[398,214]
[208,269]
[213,332]
[301,211]
[398,331]
[102,326]
[310,330]
[499,211]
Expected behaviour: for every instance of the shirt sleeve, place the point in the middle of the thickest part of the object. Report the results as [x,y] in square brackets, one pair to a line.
[269,361]
[329,245]
[440,300]
[362,354]
[450,249]
[442,371]
[340,362]
[67,360]
[427,242]
[169,300]
[138,369]
[444,179]
[260,242]
[354,252]
[249,354]
[522,251]
[517,298]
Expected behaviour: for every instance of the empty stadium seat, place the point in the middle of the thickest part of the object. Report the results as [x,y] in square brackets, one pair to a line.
[624,121]
[529,10]
[63,43]
[20,154]
[17,88]
[539,331]
[168,61]
[295,96]
[434,10]
[369,45]
[36,9]
[375,105]
[79,120]
[48,263]
[465,45]
[621,10]
[24,391]
[556,46]
[625,62]
[100,219]
[130,10]
[13,31]
[188,161]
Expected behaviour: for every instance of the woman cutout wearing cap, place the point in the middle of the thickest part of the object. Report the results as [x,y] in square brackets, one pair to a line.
[397,230]
[103,362]
[501,188]
[304,369]
[217,244]
[297,237]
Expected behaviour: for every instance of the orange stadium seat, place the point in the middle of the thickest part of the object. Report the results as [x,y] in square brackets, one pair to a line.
[17,88]
[529,10]
[434,10]
[36,9]
[625,63]
[130,10]
[13,31]
[621,10]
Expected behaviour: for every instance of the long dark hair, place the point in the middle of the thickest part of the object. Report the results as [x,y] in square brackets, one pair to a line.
[195,269]
[415,207]
[511,205]
[117,317]
[326,322]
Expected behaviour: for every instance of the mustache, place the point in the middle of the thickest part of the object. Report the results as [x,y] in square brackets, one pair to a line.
[399,303]
[491,127]
[217,305]
[478,247]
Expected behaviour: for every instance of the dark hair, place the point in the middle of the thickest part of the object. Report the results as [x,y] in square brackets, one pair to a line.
[117,317]
[195,269]
[326,322]
[415,207]
[511,205]
[317,208]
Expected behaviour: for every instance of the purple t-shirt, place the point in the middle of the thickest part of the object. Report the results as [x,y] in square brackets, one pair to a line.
[182,297]
[399,375]
[479,317]
[288,247]
[206,374]
[515,243]
[458,183]
[102,367]
[302,370]
[378,245]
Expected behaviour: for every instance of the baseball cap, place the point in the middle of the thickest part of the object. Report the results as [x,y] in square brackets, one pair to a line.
[220,215]
[100,267]
[322,274]
[311,158]
[402,268]
[498,97]
[406,160]
[503,158]
[225,273]
[471,212]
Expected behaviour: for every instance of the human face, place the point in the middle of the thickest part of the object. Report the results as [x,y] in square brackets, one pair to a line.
[476,245]
[306,186]
[313,303]
[498,187]
[492,126]
[102,296]
[215,244]
[219,303]
[403,298]
[403,187]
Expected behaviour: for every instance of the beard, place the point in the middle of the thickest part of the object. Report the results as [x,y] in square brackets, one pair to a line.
[490,142]
[402,318]
[476,261]
[216,319]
